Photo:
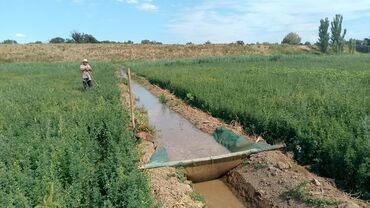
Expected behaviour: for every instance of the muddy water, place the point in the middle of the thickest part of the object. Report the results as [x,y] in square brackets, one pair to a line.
[180,138]
[217,194]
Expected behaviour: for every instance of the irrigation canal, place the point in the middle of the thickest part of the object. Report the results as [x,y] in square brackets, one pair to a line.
[183,141]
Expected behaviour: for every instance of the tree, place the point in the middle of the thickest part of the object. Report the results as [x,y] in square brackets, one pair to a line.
[363,46]
[145,41]
[153,42]
[292,39]
[36,42]
[337,37]
[324,36]
[239,42]
[77,37]
[68,40]
[9,42]
[129,42]
[352,45]
[87,38]
[57,40]
[83,38]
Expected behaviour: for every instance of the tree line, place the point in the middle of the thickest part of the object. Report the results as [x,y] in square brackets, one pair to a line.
[77,37]
[332,38]
[327,42]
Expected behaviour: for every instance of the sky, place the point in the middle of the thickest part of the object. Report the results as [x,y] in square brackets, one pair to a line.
[179,21]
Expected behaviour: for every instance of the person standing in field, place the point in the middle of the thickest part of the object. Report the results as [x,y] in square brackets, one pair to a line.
[86,70]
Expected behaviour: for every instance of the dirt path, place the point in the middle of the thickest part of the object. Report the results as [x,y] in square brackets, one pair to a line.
[269,179]
[169,186]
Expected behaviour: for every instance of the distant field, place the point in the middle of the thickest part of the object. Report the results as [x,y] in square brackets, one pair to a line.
[319,105]
[109,52]
[64,147]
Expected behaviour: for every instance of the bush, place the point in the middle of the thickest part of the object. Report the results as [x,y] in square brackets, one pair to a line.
[57,40]
[153,42]
[292,39]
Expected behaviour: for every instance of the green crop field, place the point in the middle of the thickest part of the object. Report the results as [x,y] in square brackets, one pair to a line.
[318,105]
[65,147]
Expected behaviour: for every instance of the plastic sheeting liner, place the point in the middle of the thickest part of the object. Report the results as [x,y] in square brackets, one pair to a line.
[208,168]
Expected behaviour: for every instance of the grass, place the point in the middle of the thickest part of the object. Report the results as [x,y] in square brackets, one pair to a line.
[163,99]
[318,105]
[300,193]
[142,122]
[179,174]
[197,197]
[62,146]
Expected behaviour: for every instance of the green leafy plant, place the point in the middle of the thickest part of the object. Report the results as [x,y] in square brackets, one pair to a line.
[189,97]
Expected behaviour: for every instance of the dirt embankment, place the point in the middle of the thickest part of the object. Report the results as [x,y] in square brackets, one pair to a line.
[268,179]
[109,52]
[169,186]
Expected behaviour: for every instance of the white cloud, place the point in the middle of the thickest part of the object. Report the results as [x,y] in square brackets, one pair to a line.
[262,20]
[147,7]
[131,1]
[20,35]
[144,5]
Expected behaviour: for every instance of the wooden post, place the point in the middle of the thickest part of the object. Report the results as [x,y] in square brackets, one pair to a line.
[131,99]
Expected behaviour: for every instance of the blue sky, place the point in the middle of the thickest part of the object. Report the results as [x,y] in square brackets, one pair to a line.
[178,21]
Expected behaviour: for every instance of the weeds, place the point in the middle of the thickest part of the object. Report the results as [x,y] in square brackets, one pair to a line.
[142,122]
[163,99]
[300,193]
[197,197]
[179,174]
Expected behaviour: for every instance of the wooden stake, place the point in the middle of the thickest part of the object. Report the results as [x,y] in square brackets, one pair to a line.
[131,99]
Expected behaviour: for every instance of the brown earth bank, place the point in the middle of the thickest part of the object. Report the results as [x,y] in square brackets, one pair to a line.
[108,52]
[268,179]
[169,186]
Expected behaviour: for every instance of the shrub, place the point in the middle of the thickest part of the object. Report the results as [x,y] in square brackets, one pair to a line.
[292,39]
[57,40]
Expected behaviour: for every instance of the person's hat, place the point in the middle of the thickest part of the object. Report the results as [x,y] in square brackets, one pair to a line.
[85,61]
